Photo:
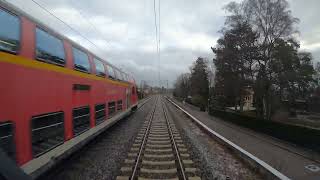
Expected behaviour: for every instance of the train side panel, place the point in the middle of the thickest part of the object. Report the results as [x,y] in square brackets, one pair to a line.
[31,90]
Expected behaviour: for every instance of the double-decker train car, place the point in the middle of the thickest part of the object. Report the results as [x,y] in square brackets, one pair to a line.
[54,94]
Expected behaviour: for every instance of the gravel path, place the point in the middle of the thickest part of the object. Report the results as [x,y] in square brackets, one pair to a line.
[101,158]
[214,160]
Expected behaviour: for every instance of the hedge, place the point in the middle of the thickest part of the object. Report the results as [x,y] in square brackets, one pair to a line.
[305,137]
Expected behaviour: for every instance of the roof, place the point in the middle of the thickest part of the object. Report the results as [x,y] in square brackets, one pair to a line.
[15,10]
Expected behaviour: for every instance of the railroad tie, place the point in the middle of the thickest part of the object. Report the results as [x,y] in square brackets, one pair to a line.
[185,155]
[126,169]
[194,178]
[129,161]
[183,149]
[158,135]
[142,178]
[158,150]
[122,177]
[181,145]
[158,163]
[159,171]
[158,145]
[138,141]
[132,155]
[158,156]
[159,142]
[159,138]
[136,145]
[134,149]
[187,162]
[191,170]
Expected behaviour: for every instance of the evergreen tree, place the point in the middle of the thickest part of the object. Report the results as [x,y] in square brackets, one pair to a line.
[199,83]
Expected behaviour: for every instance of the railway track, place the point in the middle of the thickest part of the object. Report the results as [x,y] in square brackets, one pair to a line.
[158,151]
[93,153]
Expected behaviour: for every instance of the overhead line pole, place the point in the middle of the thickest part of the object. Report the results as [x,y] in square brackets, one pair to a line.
[157,41]
[159,45]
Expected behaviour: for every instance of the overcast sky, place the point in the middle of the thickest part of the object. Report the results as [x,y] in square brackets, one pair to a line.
[124,30]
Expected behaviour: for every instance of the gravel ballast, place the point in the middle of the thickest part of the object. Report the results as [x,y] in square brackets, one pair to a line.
[214,160]
[100,159]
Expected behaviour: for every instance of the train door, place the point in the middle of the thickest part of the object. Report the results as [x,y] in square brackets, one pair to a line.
[128,98]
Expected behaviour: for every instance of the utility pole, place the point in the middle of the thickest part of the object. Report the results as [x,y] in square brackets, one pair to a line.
[167,86]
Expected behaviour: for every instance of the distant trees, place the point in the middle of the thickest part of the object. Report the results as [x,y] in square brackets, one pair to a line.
[195,84]
[199,83]
[235,54]
[257,49]
[182,86]
[317,74]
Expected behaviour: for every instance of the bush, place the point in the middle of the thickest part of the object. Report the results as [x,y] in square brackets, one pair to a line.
[199,101]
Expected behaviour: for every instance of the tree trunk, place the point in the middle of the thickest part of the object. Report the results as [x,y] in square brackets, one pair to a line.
[236,105]
[241,104]
[268,105]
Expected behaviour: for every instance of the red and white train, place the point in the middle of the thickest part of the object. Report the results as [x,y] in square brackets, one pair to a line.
[54,94]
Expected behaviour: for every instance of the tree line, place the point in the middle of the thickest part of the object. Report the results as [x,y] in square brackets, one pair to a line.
[258,50]
[194,86]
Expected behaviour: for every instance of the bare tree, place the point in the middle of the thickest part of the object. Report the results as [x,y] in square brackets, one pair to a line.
[211,73]
[272,20]
[182,86]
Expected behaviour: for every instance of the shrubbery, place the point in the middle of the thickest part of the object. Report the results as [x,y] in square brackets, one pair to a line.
[302,136]
[199,101]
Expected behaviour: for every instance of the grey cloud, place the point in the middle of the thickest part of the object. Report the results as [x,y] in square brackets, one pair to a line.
[188,29]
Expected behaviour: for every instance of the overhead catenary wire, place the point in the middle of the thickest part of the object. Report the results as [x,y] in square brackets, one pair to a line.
[155,24]
[90,23]
[70,27]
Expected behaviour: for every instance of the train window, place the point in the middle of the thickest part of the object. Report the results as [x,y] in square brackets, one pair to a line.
[122,76]
[111,108]
[117,75]
[100,71]
[111,72]
[100,113]
[9,32]
[47,132]
[119,105]
[81,119]
[81,61]
[49,48]
[7,139]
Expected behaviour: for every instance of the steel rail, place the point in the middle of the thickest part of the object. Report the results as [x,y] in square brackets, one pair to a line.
[268,169]
[145,136]
[174,144]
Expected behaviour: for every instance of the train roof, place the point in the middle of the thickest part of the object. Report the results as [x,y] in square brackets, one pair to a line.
[15,10]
